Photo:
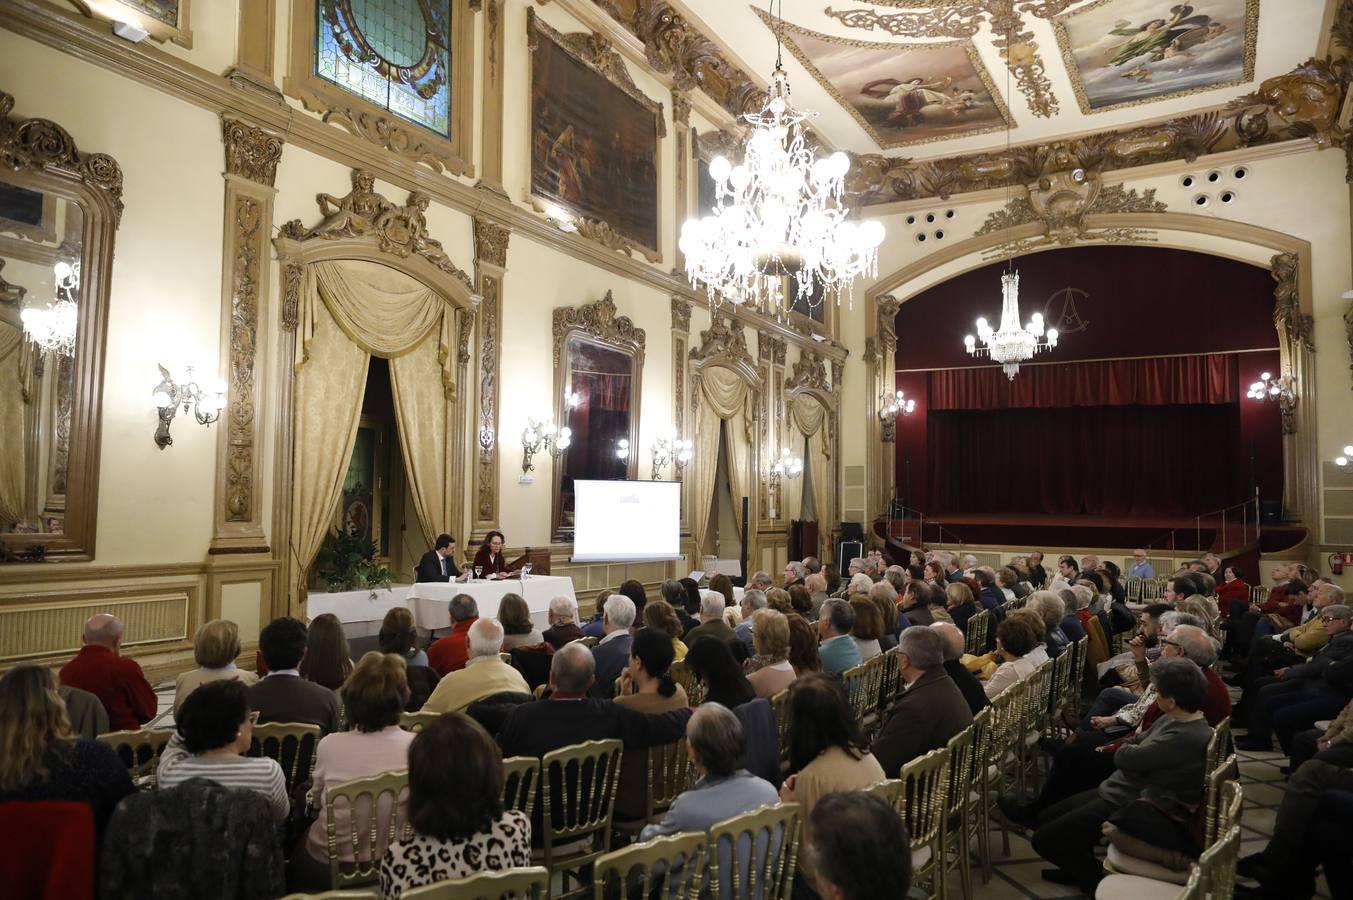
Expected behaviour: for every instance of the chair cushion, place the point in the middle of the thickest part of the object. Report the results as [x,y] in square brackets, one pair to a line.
[1127,864]
[1135,887]
[920,857]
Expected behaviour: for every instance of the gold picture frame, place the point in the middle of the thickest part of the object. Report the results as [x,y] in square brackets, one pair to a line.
[141,14]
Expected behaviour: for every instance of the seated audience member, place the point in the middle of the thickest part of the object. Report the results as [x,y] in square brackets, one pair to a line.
[1078,608]
[953,570]
[884,598]
[660,615]
[1111,671]
[966,681]
[928,710]
[713,663]
[712,625]
[399,637]
[1038,576]
[116,680]
[41,760]
[1165,763]
[989,595]
[515,617]
[215,729]
[448,654]
[722,788]
[752,600]
[1298,643]
[960,604]
[914,604]
[1015,640]
[1233,592]
[88,718]
[934,574]
[760,581]
[484,675]
[859,586]
[374,695]
[800,600]
[827,752]
[283,695]
[868,627]
[646,687]
[1282,610]
[774,672]
[634,590]
[1067,570]
[612,653]
[569,716]
[594,627]
[859,849]
[327,661]
[674,592]
[811,565]
[1008,582]
[794,573]
[839,650]
[803,646]
[1039,654]
[460,827]
[816,586]
[1114,576]
[1296,697]
[724,585]
[563,616]
[1052,611]
[215,649]
[778,598]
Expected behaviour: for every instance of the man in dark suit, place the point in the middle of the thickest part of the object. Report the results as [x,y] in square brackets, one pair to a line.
[284,696]
[711,624]
[612,653]
[930,708]
[437,564]
[967,682]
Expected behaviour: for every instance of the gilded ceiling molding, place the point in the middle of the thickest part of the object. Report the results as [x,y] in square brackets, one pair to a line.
[1059,203]
[962,20]
[41,143]
[1301,104]
[599,320]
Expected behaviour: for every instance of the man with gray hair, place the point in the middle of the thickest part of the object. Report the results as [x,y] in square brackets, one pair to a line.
[760,581]
[967,682]
[794,573]
[448,654]
[612,653]
[711,624]
[569,716]
[116,680]
[816,586]
[484,675]
[838,650]
[752,600]
[930,708]
[897,577]
[563,616]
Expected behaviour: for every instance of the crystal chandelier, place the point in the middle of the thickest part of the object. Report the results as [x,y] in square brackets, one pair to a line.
[53,328]
[1011,344]
[778,214]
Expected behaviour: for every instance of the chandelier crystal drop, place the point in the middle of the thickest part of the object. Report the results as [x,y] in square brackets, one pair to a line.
[1012,343]
[53,328]
[778,215]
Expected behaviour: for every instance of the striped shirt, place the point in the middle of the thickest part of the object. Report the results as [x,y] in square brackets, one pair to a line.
[261,774]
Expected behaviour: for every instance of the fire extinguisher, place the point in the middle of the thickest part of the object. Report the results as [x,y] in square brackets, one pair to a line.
[1338,560]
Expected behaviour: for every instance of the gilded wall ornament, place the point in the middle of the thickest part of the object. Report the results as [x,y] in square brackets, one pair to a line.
[292,276]
[599,320]
[490,242]
[809,372]
[719,339]
[1060,201]
[240,426]
[1297,327]
[250,152]
[35,143]
[1306,100]
[1348,334]
[681,314]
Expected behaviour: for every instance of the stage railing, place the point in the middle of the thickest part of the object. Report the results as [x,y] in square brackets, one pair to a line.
[1235,526]
[898,517]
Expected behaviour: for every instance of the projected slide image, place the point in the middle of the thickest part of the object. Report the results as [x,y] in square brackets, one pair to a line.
[626,520]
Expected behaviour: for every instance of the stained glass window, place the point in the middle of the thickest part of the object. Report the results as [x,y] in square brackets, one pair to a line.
[393,53]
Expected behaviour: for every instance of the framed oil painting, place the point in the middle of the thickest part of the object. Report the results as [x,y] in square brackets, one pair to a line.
[594,136]
[1126,52]
[902,94]
[163,20]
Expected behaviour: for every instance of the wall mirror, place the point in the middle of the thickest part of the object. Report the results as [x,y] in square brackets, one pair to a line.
[58,213]
[598,363]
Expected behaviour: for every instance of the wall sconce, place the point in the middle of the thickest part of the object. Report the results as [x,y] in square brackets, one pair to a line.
[206,399]
[892,404]
[622,449]
[536,437]
[1345,461]
[787,466]
[1270,388]
[670,450]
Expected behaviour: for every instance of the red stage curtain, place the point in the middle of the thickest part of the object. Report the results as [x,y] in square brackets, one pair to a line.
[1211,378]
[1099,460]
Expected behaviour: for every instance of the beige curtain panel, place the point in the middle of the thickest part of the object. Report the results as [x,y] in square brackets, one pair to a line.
[13,406]
[422,412]
[725,396]
[809,417]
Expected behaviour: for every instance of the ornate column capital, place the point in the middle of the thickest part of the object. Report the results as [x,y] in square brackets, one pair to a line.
[250,152]
[681,314]
[490,242]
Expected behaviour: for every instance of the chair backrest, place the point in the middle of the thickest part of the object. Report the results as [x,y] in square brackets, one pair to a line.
[1221,783]
[858,681]
[780,704]
[139,751]
[521,776]
[981,750]
[888,677]
[1076,680]
[694,687]
[1061,675]
[1218,866]
[1258,593]
[975,634]
[367,836]
[668,774]
[1219,746]
[961,749]
[1132,588]
[291,744]
[925,782]
[669,868]
[518,884]
[416,721]
[753,855]
[578,785]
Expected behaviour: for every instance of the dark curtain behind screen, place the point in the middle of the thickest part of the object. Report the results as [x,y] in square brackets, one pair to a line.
[1100,460]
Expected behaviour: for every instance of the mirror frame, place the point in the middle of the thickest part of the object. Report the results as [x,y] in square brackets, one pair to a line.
[41,155]
[598,324]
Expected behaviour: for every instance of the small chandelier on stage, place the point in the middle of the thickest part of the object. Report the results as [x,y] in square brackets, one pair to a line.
[1011,344]
[779,214]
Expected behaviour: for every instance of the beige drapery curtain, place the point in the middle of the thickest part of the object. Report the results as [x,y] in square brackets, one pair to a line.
[353,309]
[14,394]
[809,418]
[725,396]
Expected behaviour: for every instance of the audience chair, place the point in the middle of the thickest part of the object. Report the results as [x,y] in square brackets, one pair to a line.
[292,745]
[665,868]
[140,752]
[1132,589]
[923,806]
[375,821]
[1058,690]
[1258,593]
[980,798]
[667,772]
[694,687]
[1220,810]
[521,777]
[1007,712]
[1213,878]
[1220,747]
[1076,687]
[889,683]
[417,721]
[958,808]
[863,699]
[975,635]
[1034,693]
[780,704]
[578,785]
[511,884]
[754,854]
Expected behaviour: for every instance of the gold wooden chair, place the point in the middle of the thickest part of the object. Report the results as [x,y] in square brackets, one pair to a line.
[1076,683]
[1007,715]
[975,635]
[1132,589]
[416,721]
[980,798]
[924,792]
[888,679]
[521,777]
[1220,747]
[1213,877]
[860,685]
[1222,798]
[1258,593]
[771,837]
[780,705]
[140,752]
[370,829]
[510,884]
[679,860]
[578,785]
[694,687]
[292,745]
[958,812]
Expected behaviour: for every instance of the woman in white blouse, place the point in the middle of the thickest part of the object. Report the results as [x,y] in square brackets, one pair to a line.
[1015,640]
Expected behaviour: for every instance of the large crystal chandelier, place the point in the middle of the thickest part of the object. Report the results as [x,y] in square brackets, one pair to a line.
[1011,344]
[779,214]
[53,328]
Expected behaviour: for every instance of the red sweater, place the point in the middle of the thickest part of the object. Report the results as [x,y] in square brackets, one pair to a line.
[1278,603]
[117,681]
[1232,591]
[448,654]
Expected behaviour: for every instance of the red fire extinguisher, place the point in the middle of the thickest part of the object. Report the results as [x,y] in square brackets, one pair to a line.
[1338,561]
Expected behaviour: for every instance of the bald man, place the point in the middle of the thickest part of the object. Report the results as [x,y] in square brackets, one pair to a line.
[117,681]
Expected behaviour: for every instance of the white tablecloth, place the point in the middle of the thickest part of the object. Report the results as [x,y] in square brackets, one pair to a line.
[362,611]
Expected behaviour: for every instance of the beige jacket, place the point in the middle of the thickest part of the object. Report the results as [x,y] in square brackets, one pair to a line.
[483,676]
[1341,729]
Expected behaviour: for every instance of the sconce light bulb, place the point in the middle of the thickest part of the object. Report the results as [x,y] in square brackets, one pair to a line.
[1267,376]
[161,399]
[1275,390]
[1348,451]
[566,433]
[1341,461]
[62,270]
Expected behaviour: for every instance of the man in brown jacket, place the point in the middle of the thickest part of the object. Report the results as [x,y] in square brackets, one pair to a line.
[930,708]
